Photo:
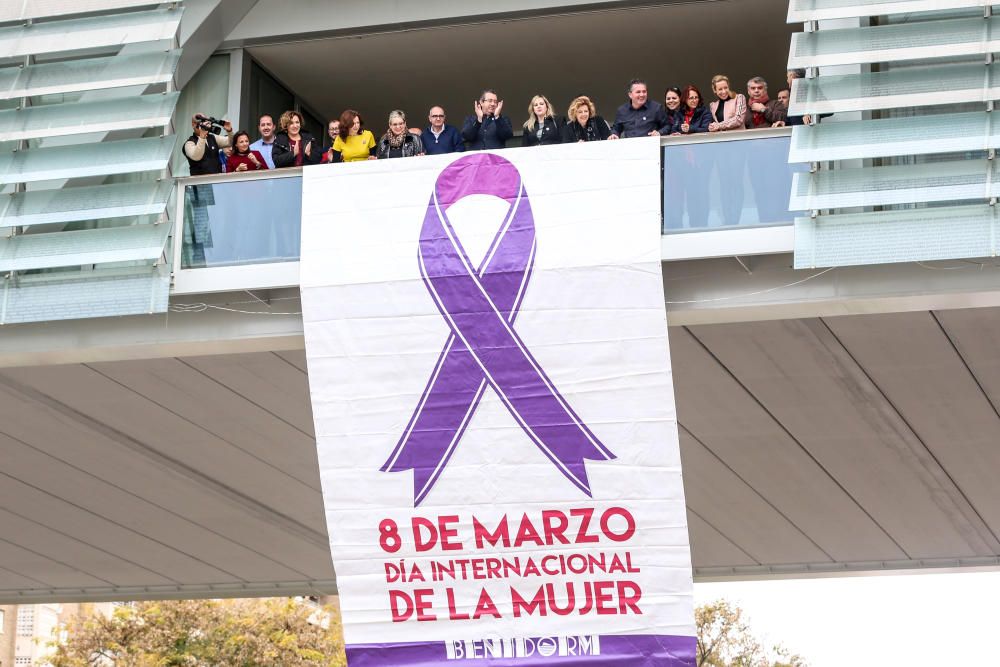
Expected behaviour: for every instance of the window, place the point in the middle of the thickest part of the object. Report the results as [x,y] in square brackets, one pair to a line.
[25,622]
[313,125]
[267,96]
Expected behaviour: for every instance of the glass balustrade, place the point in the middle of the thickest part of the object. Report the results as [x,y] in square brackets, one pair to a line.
[736,181]
[234,222]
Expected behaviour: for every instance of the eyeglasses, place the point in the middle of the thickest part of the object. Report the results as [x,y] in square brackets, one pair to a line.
[437,115]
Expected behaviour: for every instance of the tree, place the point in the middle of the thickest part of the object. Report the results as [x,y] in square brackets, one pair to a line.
[725,640]
[204,633]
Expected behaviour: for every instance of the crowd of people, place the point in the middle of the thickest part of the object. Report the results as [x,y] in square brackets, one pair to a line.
[214,148]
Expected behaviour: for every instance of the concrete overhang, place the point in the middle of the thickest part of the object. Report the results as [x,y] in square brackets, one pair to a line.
[831,424]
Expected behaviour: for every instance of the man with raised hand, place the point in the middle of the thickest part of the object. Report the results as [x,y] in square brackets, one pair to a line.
[487,128]
[203,146]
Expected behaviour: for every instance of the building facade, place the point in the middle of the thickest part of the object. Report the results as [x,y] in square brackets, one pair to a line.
[832,298]
[28,631]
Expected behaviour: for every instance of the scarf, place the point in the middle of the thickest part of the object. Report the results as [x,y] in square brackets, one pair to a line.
[586,132]
[758,119]
[393,140]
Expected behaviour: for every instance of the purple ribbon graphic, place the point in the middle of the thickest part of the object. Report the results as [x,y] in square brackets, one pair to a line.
[480,306]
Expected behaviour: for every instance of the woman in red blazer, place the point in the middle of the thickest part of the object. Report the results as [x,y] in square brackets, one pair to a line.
[244,159]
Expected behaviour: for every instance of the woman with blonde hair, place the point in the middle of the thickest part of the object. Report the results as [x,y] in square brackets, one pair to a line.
[729,112]
[542,127]
[397,140]
[293,146]
[583,123]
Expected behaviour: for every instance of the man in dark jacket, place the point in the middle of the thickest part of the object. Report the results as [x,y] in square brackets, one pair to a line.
[640,116]
[763,111]
[792,75]
[487,128]
[440,137]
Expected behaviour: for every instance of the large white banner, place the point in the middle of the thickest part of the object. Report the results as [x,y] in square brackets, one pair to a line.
[491,387]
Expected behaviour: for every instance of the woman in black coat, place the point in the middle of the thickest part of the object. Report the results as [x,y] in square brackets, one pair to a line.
[294,147]
[695,116]
[584,124]
[672,107]
[542,127]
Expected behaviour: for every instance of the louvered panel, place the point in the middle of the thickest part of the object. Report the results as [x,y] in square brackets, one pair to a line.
[916,87]
[56,120]
[75,76]
[110,157]
[921,135]
[111,267]
[932,219]
[22,10]
[952,232]
[89,33]
[121,200]
[99,293]
[904,184]
[90,246]
[906,41]
[802,11]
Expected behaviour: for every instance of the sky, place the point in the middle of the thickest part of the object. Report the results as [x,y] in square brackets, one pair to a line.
[922,620]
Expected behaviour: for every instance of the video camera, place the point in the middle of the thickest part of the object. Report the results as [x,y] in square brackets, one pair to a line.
[209,124]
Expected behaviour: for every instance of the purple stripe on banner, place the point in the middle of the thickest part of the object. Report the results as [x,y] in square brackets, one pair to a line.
[565,651]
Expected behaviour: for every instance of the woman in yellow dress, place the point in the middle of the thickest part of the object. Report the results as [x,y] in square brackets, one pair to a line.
[353,144]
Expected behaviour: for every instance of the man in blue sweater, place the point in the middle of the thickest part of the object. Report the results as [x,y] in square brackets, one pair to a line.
[440,138]
[487,128]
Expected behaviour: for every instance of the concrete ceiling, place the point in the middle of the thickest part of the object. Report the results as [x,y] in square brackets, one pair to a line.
[594,52]
[855,443]
[163,476]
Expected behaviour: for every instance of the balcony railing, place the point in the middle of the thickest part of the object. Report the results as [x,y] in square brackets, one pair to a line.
[247,226]
[233,220]
[727,181]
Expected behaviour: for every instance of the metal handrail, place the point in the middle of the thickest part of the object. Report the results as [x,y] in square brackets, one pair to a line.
[701,138]
[732,135]
[284,172]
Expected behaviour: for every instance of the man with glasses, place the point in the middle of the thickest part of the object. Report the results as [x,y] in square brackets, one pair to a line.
[439,137]
[487,128]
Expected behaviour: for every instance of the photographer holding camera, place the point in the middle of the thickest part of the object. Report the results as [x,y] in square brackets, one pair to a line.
[202,148]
